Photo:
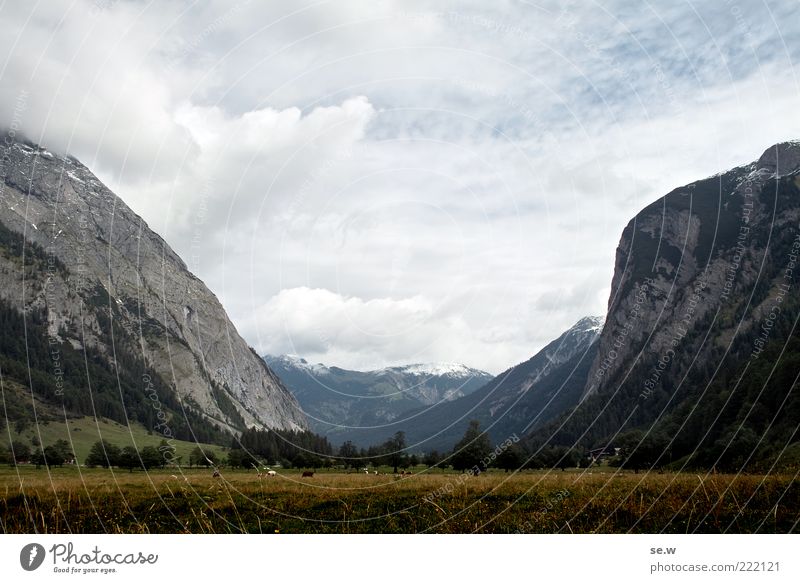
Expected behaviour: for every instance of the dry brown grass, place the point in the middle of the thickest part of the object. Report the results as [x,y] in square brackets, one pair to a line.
[101,501]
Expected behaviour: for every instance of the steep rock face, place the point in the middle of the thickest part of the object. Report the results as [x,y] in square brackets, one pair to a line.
[336,399]
[121,277]
[705,281]
[512,394]
[699,249]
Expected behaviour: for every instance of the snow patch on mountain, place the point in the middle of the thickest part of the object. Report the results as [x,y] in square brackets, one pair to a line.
[300,363]
[439,369]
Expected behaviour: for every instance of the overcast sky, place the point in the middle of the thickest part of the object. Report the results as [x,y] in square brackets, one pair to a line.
[380,182]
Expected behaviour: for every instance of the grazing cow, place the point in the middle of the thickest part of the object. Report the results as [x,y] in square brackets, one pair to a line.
[366,471]
[375,472]
[272,473]
[308,474]
[216,474]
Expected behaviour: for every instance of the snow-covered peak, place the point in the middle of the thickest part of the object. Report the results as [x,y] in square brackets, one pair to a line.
[298,362]
[589,324]
[448,369]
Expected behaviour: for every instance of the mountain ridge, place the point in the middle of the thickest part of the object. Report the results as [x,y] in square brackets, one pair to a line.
[120,280]
[526,394]
[336,399]
[703,284]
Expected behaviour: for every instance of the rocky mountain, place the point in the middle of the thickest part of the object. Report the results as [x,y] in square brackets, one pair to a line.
[699,350]
[96,285]
[337,399]
[517,400]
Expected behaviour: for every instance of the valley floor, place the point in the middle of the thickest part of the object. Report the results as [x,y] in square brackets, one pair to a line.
[80,500]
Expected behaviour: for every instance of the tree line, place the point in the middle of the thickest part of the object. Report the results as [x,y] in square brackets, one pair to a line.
[255,448]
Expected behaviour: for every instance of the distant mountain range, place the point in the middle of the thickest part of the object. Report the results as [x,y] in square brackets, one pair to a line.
[517,400]
[336,400]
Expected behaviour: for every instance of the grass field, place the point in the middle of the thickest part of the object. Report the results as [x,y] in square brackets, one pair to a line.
[80,500]
[82,432]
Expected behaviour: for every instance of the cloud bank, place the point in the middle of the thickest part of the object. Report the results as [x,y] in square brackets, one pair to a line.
[370,184]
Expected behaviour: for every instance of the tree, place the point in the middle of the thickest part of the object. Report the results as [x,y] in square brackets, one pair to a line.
[38,458]
[566,458]
[151,457]
[432,458]
[348,455]
[473,448]
[395,450]
[640,451]
[555,457]
[5,455]
[129,458]
[307,460]
[731,451]
[167,451]
[198,457]
[20,452]
[103,454]
[239,458]
[58,453]
[510,458]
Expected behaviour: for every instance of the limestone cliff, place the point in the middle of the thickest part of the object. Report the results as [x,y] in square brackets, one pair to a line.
[107,282]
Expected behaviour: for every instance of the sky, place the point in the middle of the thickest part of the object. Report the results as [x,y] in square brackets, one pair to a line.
[378,182]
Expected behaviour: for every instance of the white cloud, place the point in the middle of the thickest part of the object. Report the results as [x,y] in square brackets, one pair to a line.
[392,181]
[327,326]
